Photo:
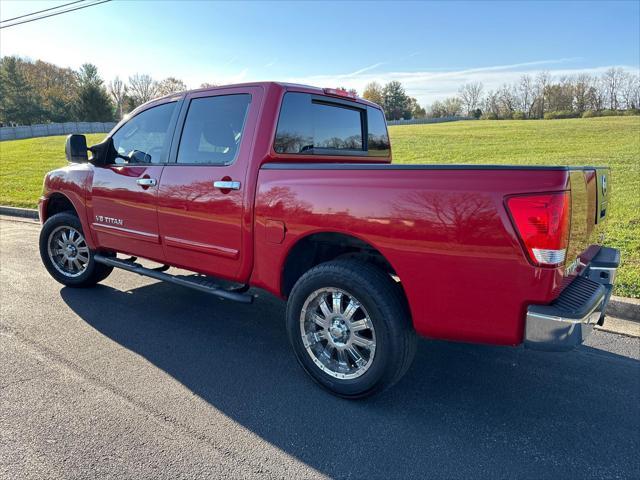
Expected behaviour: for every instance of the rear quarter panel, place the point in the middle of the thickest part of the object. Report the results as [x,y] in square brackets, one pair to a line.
[446,233]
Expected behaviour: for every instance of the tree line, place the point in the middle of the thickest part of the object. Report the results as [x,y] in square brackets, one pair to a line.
[41,92]
[614,92]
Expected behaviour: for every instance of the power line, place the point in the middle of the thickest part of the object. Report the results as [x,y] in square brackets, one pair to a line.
[41,17]
[40,11]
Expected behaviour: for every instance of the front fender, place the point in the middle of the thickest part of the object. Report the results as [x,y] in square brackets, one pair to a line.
[70,183]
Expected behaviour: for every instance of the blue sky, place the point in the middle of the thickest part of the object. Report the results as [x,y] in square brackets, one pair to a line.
[432,47]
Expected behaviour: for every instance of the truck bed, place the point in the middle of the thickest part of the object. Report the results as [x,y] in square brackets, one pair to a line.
[444,229]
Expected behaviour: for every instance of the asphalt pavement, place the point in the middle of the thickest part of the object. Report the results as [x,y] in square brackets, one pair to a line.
[141,379]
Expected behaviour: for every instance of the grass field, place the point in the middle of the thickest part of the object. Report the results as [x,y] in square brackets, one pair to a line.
[23,164]
[613,141]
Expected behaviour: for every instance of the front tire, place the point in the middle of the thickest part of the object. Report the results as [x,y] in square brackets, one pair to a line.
[349,328]
[66,255]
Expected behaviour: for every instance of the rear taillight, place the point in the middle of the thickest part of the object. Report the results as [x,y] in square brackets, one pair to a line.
[542,221]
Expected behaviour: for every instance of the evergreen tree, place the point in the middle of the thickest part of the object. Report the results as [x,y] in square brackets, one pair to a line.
[396,102]
[93,103]
[19,102]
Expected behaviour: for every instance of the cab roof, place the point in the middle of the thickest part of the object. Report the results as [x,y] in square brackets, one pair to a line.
[289,87]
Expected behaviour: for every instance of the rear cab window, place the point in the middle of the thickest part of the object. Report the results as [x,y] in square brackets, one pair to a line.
[318,125]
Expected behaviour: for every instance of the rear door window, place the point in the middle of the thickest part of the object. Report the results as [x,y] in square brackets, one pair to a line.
[317,125]
[213,130]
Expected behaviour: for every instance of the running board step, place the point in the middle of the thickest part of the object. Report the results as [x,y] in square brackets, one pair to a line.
[200,283]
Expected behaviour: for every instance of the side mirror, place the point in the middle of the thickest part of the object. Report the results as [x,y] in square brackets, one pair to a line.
[76,149]
[103,154]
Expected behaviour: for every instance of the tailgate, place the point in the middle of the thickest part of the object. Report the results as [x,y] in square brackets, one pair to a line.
[590,190]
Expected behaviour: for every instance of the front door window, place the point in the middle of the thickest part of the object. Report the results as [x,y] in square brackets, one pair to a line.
[144,138]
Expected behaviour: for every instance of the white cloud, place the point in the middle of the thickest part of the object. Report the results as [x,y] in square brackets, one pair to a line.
[271,63]
[428,86]
[361,71]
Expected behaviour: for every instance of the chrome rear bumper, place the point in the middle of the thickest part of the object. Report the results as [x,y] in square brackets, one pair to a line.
[570,318]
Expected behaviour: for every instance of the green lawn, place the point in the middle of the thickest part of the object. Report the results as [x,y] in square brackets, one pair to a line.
[23,164]
[613,141]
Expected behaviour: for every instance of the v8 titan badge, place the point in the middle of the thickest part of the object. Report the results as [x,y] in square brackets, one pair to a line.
[109,220]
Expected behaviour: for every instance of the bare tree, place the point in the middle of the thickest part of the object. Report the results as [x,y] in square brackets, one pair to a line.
[581,85]
[208,85]
[560,97]
[507,101]
[436,110]
[171,85]
[612,81]
[542,82]
[636,91]
[629,88]
[452,106]
[118,91]
[596,95]
[449,107]
[526,94]
[470,95]
[142,88]
[491,104]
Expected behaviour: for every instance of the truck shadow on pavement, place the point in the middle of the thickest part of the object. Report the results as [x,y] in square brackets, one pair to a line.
[461,411]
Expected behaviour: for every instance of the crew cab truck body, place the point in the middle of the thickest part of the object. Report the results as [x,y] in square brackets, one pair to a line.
[291,189]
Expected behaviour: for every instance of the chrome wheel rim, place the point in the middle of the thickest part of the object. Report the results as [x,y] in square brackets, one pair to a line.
[68,251]
[337,333]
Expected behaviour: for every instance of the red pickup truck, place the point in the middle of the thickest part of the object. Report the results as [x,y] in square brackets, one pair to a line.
[291,189]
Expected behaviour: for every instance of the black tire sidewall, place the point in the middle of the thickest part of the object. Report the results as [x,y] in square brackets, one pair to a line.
[88,277]
[382,372]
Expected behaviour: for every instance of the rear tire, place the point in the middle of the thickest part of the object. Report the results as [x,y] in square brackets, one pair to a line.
[350,329]
[66,255]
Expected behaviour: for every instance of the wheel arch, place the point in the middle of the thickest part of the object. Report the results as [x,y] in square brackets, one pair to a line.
[56,203]
[320,247]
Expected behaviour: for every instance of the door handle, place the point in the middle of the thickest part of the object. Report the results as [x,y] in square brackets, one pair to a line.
[147,182]
[226,185]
